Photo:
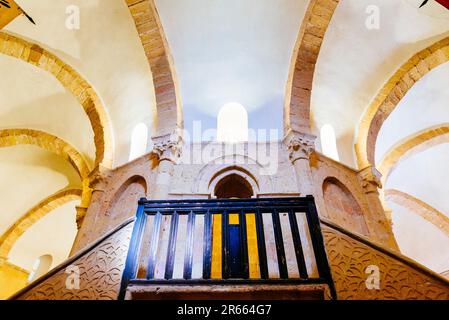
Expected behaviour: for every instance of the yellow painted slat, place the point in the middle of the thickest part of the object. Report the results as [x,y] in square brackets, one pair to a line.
[253,249]
[216,268]
[234,219]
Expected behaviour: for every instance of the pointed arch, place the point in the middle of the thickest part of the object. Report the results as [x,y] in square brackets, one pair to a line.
[151,33]
[391,94]
[305,56]
[9,238]
[46,141]
[34,54]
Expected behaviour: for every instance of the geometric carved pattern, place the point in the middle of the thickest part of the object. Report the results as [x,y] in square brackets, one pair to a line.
[100,273]
[400,278]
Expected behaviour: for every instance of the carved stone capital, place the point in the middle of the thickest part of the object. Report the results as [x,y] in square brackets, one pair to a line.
[98,178]
[299,145]
[370,178]
[168,147]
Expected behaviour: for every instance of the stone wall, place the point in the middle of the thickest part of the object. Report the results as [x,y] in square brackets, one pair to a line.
[342,206]
[114,197]
[348,198]
[265,166]
[360,211]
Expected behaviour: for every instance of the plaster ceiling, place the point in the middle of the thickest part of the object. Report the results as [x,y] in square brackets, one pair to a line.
[46,106]
[224,51]
[106,50]
[355,62]
[424,106]
[232,51]
[43,238]
[420,240]
[29,175]
[424,176]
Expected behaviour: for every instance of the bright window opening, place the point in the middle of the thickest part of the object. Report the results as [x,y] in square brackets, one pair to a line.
[41,266]
[139,141]
[329,142]
[232,123]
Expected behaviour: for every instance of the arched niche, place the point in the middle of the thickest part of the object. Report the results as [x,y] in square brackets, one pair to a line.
[343,208]
[233,186]
[233,182]
[124,203]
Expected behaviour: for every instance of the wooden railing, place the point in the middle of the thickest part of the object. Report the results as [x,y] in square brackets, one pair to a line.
[227,242]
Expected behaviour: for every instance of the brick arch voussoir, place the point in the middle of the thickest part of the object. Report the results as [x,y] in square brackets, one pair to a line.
[392,93]
[157,51]
[34,54]
[10,237]
[420,208]
[412,145]
[46,141]
[302,69]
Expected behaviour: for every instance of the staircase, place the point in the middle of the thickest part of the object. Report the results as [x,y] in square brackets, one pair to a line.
[235,249]
[227,249]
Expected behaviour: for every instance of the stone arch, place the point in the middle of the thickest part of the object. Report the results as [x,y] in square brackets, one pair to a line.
[168,101]
[46,141]
[234,171]
[71,80]
[123,204]
[419,207]
[411,145]
[391,94]
[302,68]
[9,238]
[207,173]
[233,186]
[343,207]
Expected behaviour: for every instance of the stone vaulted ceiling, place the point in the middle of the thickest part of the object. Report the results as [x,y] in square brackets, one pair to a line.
[383,89]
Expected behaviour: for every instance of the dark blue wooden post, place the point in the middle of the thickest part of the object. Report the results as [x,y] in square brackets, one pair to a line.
[130,271]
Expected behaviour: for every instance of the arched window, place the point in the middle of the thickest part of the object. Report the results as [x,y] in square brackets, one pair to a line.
[139,141]
[329,142]
[41,266]
[232,123]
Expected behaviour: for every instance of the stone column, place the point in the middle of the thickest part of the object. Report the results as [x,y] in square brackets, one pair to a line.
[378,222]
[86,197]
[87,216]
[168,149]
[300,146]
